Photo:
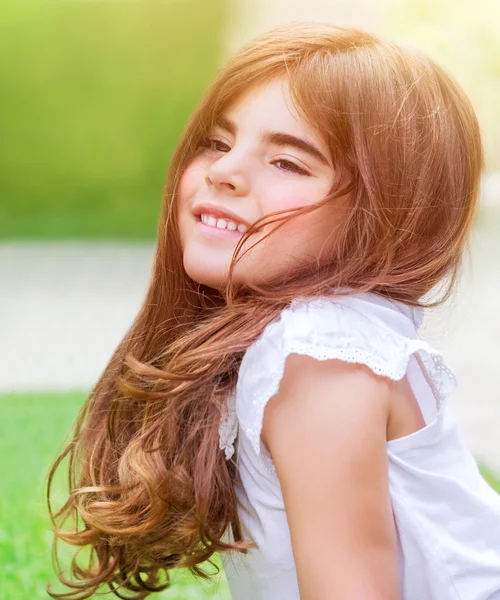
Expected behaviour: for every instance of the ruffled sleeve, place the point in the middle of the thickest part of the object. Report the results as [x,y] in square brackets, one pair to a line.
[348,329]
[228,428]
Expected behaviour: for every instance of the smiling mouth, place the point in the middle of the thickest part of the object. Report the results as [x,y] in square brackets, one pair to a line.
[214,230]
[230,224]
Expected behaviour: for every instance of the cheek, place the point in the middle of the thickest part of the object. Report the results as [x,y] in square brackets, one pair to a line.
[189,182]
[293,196]
[296,194]
[306,233]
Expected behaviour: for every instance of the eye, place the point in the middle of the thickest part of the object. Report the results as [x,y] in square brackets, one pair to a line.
[210,142]
[290,166]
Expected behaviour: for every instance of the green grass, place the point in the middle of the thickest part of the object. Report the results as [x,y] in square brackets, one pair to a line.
[32,429]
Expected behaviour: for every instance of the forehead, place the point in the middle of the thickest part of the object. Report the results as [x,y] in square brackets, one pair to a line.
[269,106]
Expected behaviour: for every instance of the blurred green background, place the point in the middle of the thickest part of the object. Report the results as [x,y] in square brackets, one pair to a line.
[94,98]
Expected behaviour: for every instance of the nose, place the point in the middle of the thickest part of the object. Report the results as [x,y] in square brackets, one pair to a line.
[226,174]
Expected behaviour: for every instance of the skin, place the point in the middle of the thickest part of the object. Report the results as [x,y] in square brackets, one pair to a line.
[335,482]
[342,529]
[251,178]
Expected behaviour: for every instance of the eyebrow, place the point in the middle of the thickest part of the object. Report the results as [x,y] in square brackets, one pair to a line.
[277,138]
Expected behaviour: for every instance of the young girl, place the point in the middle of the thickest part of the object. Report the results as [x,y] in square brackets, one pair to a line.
[273,401]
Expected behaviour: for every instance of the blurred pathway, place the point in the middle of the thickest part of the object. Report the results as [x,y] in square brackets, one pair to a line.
[63,309]
[65,306]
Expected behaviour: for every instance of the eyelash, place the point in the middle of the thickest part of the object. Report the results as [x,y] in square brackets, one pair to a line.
[207,142]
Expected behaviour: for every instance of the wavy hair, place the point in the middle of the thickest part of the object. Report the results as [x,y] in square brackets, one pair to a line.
[149,488]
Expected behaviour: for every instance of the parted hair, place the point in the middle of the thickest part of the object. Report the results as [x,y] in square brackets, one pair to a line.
[149,488]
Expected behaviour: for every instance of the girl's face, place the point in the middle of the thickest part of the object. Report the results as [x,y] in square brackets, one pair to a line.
[261,157]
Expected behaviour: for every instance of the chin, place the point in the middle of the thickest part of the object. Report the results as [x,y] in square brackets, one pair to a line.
[195,270]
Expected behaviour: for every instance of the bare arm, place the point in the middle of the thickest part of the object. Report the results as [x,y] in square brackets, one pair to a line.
[326,431]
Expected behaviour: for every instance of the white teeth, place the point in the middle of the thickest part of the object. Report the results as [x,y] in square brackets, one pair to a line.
[223,223]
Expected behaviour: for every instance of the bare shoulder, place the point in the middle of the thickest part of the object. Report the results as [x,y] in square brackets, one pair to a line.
[329,388]
[326,430]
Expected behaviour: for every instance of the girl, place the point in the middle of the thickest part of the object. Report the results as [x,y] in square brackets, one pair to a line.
[272,400]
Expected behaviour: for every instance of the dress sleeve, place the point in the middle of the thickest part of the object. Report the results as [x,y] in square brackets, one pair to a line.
[324,329]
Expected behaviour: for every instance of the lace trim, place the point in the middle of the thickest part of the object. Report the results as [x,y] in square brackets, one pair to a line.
[442,377]
[388,356]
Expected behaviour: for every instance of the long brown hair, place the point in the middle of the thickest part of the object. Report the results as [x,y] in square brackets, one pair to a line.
[150,490]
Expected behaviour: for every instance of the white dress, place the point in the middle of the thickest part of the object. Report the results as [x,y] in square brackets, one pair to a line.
[447,517]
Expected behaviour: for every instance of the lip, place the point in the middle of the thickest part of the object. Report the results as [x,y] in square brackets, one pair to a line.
[218,211]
